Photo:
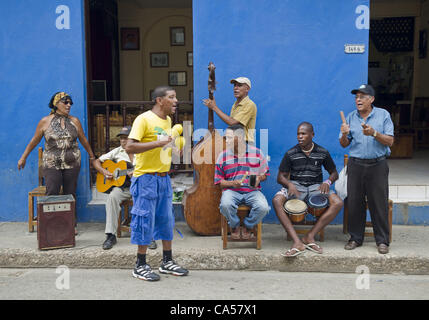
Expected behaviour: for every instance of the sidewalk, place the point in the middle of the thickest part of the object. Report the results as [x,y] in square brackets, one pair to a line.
[409,253]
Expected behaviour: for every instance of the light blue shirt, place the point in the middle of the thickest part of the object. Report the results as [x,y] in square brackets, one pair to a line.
[367,147]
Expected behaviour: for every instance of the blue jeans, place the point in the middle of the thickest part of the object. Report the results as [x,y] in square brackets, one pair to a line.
[231,200]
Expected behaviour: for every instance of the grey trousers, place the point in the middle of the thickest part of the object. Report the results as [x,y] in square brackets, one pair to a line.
[113,208]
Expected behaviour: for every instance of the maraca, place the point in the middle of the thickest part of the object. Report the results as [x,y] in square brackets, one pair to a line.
[176,130]
[180,142]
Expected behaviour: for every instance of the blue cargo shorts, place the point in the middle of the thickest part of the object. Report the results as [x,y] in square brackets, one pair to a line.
[152,213]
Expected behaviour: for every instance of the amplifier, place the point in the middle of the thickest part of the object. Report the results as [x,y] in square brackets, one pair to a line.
[55,222]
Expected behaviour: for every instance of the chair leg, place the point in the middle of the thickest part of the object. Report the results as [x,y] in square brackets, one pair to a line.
[30,213]
[224,227]
[390,219]
[259,236]
[118,230]
[345,217]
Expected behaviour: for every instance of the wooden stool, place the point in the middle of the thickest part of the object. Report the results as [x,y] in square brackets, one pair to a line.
[40,190]
[242,212]
[367,223]
[321,233]
[123,225]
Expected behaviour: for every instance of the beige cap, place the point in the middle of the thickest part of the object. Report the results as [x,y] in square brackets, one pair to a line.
[242,80]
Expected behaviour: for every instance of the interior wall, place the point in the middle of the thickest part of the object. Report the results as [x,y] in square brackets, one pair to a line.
[137,76]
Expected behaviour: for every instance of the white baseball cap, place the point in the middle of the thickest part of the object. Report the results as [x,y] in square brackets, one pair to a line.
[242,80]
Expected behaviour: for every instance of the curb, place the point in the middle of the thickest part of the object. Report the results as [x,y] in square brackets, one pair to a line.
[217,260]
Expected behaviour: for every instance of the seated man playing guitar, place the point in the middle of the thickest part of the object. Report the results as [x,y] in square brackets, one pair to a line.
[117,194]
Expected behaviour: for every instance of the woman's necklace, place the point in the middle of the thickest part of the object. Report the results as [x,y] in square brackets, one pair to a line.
[311,149]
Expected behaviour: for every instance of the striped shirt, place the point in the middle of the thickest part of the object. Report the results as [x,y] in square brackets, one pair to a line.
[230,167]
[307,170]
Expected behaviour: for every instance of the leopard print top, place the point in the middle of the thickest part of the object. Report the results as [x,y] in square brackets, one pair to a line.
[61,146]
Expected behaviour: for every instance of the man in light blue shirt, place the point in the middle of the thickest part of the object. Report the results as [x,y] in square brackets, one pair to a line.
[369,133]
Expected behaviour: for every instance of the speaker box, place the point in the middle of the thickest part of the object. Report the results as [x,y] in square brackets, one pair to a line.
[55,222]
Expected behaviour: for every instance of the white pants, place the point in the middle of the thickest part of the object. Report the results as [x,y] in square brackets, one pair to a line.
[113,208]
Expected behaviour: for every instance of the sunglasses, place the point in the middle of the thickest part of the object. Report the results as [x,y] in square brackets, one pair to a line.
[67,102]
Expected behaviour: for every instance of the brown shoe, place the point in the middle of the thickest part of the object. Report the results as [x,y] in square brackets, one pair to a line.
[351,245]
[383,248]
[235,234]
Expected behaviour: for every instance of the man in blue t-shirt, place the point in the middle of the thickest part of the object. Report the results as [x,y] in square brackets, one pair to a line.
[369,133]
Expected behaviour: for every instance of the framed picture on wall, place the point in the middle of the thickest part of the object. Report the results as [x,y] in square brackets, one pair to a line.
[159,59]
[189,59]
[130,39]
[177,36]
[177,78]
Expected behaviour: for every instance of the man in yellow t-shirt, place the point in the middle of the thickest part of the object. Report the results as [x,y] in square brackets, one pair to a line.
[152,212]
[243,110]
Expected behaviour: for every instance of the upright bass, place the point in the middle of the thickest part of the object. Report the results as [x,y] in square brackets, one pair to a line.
[201,201]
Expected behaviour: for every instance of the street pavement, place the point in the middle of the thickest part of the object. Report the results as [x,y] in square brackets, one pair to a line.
[118,284]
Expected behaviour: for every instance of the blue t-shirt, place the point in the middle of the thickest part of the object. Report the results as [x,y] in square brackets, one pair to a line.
[367,147]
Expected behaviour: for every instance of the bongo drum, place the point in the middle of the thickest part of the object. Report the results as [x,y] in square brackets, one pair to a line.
[317,204]
[296,209]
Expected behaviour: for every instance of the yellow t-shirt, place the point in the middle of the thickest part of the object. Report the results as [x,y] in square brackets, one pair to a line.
[148,127]
[245,113]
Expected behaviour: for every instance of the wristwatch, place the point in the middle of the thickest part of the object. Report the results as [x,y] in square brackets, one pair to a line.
[374,134]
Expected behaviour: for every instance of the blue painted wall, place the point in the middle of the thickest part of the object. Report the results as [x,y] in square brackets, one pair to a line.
[293,52]
[41,52]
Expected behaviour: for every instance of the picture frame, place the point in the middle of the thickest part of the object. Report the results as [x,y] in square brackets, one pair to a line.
[177,36]
[189,59]
[159,60]
[177,78]
[130,39]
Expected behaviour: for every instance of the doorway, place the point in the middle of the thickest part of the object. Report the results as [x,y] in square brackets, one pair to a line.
[398,70]
[134,46]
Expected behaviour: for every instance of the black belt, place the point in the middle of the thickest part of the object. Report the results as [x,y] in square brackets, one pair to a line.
[375,160]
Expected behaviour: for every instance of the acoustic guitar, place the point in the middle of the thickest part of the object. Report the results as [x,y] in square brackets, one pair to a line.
[119,171]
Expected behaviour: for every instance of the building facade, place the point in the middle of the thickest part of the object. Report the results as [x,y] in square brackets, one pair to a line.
[303,58]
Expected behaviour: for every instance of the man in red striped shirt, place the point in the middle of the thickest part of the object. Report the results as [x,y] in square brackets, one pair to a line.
[239,171]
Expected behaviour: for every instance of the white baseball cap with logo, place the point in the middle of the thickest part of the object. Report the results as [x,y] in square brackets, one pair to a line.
[243,80]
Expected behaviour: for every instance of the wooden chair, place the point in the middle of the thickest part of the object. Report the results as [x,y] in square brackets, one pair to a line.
[242,212]
[124,225]
[367,223]
[40,190]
